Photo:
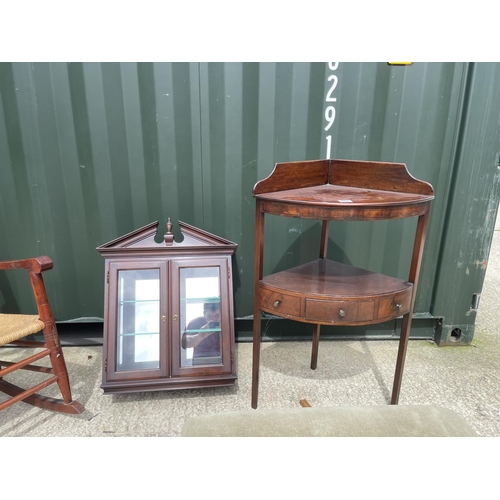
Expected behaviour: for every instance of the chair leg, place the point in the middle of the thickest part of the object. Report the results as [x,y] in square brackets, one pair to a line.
[57,360]
[52,342]
[17,394]
[60,375]
[51,345]
[60,371]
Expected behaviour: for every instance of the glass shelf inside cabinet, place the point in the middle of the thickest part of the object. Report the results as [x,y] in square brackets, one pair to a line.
[138,345]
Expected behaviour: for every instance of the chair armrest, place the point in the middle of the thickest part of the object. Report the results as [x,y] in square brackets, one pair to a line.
[36,264]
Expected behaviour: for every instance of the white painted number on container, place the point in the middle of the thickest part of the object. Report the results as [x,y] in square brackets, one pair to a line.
[335,80]
[330,111]
[330,116]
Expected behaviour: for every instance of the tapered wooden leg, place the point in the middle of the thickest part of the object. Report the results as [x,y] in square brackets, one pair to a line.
[51,338]
[258,269]
[52,348]
[416,261]
[58,364]
[256,360]
[323,248]
[400,363]
[315,347]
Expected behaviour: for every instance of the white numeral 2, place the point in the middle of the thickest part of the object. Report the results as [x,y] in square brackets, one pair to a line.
[329,97]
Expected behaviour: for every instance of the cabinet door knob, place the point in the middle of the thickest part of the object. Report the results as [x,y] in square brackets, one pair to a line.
[175,318]
[164,318]
[341,313]
[398,307]
[276,303]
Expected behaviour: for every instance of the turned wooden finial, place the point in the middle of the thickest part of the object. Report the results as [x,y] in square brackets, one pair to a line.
[168,236]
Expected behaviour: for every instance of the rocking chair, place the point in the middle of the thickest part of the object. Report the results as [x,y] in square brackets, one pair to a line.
[14,327]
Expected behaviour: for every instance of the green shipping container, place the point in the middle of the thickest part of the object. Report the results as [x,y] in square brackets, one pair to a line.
[93,151]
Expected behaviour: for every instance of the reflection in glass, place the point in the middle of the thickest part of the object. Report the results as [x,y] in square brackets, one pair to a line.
[200,316]
[138,320]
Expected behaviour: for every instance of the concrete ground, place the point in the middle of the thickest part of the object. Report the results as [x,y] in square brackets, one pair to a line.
[464,379]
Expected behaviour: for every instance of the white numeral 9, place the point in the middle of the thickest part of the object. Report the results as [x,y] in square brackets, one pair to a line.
[330,116]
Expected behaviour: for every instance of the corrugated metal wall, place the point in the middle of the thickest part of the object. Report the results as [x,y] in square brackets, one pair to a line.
[91,151]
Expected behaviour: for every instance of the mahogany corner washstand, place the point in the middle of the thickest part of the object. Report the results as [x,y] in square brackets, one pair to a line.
[157,298]
[324,292]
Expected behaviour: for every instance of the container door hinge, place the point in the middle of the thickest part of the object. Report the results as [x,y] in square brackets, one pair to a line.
[229,273]
[107,277]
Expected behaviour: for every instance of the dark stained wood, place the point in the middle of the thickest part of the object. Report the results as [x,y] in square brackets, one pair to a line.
[258,271]
[365,309]
[157,385]
[35,264]
[372,175]
[327,292]
[343,211]
[341,196]
[26,364]
[139,250]
[327,279]
[51,347]
[416,262]
[315,345]
[276,301]
[323,246]
[323,249]
[377,175]
[141,243]
[294,175]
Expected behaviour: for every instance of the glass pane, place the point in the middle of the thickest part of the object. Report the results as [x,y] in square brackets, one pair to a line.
[200,316]
[138,346]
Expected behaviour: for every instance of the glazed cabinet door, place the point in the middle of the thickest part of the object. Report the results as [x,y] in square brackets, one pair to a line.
[137,343]
[202,329]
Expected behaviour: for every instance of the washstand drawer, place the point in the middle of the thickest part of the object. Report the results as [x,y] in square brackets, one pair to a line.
[339,311]
[396,305]
[279,303]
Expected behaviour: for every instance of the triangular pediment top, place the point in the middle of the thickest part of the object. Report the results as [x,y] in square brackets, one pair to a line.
[144,238]
[139,235]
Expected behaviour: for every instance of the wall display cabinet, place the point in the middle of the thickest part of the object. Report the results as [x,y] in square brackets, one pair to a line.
[325,292]
[168,311]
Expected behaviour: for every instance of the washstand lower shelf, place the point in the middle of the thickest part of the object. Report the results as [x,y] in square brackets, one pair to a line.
[330,293]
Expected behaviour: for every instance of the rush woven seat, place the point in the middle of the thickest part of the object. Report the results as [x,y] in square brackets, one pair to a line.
[13,330]
[17,326]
